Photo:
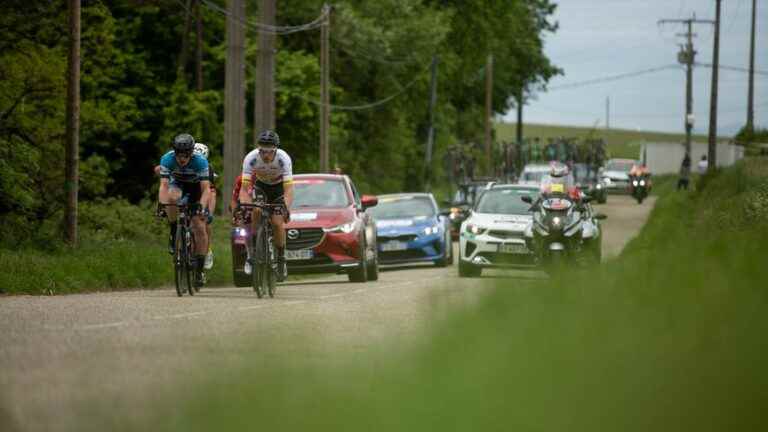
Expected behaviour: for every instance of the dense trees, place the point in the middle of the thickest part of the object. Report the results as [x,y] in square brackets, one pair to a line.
[134,99]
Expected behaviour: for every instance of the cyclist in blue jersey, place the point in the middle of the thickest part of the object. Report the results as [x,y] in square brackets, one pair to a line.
[183,173]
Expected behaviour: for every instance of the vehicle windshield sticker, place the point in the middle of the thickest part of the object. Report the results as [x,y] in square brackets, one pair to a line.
[303,217]
[308,181]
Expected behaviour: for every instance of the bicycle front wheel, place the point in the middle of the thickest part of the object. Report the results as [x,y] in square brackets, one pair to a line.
[269,279]
[191,262]
[179,262]
[257,273]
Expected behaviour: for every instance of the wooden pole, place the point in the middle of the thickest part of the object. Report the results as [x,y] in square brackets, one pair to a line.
[325,107]
[73,123]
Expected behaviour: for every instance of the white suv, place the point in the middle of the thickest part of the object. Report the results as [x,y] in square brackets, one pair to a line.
[493,236]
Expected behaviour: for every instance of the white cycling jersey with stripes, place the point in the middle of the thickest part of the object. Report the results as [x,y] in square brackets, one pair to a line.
[279,170]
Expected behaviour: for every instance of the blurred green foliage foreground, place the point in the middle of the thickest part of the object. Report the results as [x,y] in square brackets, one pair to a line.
[670,336]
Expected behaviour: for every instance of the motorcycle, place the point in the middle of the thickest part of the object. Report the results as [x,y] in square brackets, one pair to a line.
[639,187]
[563,231]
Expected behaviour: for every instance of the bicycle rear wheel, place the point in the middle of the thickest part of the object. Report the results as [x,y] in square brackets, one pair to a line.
[191,263]
[179,260]
[257,275]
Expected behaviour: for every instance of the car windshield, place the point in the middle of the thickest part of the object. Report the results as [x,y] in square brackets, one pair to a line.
[504,201]
[551,184]
[532,176]
[622,166]
[403,207]
[319,193]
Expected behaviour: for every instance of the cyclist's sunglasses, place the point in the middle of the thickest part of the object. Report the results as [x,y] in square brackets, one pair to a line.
[184,154]
[267,150]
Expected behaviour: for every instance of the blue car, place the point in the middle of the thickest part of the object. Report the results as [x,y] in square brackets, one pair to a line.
[411,229]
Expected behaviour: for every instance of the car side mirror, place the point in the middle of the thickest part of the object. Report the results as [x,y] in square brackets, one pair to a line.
[369,201]
[527,199]
[600,216]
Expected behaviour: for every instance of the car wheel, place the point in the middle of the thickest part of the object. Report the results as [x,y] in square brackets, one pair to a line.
[360,274]
[373,266]
[447,258]
[469,270]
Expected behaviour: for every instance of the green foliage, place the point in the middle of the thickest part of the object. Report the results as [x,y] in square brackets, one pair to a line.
[668,338]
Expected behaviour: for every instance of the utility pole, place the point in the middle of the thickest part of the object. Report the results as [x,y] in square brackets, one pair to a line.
[431,131]
[751,91]
[73,124]
[325,103]
[182,62]
[712,157]
[488,112]
[687,56]
[519,126]
[607,112]
[199,48]
[234,96]
[264,88]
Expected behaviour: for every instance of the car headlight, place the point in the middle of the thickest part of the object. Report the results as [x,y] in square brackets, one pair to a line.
[473,229]
[607,180]
[241,232]
[598,186]
[642,182]
[343,228]
[431,230]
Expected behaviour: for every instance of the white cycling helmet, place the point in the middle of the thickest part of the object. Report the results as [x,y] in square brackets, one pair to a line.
[202,150]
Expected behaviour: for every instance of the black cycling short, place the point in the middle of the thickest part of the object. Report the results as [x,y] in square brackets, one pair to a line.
[189,189]
[274,193]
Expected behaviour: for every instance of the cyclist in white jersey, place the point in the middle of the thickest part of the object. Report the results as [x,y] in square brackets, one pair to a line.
[268,169]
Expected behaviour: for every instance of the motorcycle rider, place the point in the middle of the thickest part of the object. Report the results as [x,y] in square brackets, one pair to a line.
[641,171]
[269,169]
[183,173]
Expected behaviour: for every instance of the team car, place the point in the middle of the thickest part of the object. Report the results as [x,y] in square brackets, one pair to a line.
[532,174]
[329,231]
[411,230]
[615,175]
[494,234]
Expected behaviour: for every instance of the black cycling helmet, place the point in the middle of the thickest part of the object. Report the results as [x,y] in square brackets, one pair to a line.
[269,137]
[184,142]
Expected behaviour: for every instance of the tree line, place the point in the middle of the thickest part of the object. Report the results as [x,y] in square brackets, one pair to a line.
[136,94]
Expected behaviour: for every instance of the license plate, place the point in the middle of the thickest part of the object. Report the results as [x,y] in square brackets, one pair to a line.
[513,248]
[394,246]
[301,254]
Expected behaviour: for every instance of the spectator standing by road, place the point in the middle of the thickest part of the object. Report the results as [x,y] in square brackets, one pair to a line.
[685,173]
[703,165]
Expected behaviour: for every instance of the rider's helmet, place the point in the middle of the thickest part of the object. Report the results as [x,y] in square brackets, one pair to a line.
[201,150]
[558,170]
[269,137]
[183,142]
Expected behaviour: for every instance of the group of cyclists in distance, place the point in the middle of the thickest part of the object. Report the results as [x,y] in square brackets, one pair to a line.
[187,178]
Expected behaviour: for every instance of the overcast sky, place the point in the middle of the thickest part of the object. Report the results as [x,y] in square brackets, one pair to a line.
[601,38]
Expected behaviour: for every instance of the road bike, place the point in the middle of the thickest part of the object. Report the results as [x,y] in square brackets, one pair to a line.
[263,253]
[184,262]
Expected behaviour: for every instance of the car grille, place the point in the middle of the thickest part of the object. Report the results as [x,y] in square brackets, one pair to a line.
[308,238]
[401,238]
[316,260]
[506,234]
[509,259]
[402,255]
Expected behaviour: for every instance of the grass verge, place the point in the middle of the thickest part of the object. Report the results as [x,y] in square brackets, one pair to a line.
[669,336]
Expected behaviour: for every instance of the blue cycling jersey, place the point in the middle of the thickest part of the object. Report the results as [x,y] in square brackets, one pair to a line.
[193,172]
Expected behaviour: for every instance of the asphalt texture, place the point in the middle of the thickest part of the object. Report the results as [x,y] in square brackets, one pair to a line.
[65,359]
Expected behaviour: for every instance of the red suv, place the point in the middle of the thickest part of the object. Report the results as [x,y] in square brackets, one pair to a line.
[329,231]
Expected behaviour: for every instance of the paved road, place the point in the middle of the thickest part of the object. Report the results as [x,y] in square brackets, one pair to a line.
[65,358]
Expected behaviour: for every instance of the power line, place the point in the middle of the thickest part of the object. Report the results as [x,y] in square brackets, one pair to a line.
[371,104]
[734,68]
[612,78]
[266,28]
